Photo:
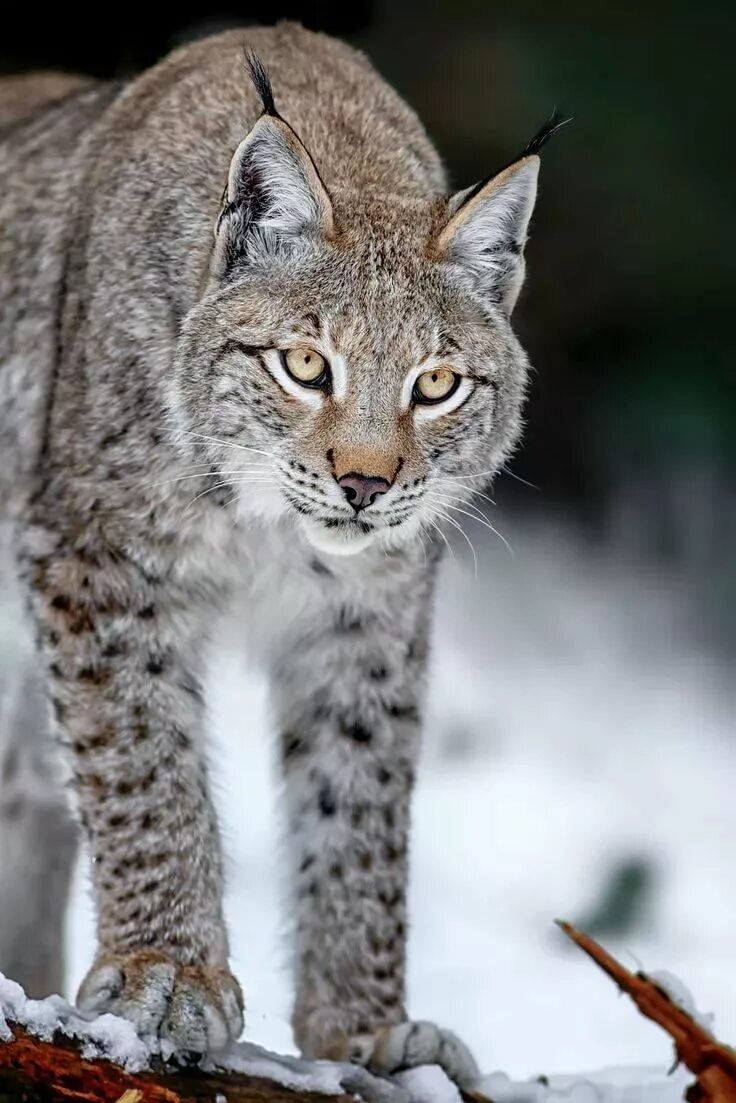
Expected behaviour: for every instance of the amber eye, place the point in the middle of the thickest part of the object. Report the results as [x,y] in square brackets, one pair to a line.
[435,385]
[306,366]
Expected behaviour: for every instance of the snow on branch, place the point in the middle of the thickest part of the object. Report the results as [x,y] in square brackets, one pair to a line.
[665,1001]
[49,1052]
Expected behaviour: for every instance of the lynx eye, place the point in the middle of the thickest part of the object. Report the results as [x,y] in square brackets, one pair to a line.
[306,366]
[435,385]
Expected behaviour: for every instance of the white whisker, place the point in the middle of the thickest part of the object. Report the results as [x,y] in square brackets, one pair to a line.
[463,533]
[212,464]
[476,494]
[466,538]
[229,444]
[254,468]
[476,475]
[482,520]
[446,499]
[229,482]
[434,525]
[508,471]
[465,501]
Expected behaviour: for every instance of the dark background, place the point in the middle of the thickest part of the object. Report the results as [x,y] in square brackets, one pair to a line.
[627,311]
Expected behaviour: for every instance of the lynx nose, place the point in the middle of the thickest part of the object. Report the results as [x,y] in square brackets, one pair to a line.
[362,490]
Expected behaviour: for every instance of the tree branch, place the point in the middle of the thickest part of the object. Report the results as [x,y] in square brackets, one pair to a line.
[714,1064]
[55,1072]
[35,1071]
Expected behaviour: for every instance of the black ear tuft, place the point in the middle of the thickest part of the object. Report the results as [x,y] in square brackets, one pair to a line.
[261,82]
[554,123]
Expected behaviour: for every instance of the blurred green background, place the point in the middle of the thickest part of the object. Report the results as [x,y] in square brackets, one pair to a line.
[627,311]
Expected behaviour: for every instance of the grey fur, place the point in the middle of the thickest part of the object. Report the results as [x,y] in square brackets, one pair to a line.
[154,456]
[38,834]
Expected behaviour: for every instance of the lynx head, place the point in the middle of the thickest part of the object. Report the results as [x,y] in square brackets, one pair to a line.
[352,363]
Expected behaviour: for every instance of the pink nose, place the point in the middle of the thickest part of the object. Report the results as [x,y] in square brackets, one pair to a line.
[362,490]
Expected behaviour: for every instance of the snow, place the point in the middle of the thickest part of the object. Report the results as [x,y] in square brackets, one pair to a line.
[327,1077]
[429,1084]
[114,1039]
[680,996]
[577,721]
[104,1036]
[632,1085]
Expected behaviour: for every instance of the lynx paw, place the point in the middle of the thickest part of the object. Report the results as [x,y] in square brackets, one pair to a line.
[406,1045]
[196,1009]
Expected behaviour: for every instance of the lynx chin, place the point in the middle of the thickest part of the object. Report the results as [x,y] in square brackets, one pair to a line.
[250,340]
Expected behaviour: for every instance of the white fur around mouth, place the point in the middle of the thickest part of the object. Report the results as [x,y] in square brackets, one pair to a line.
[347,539]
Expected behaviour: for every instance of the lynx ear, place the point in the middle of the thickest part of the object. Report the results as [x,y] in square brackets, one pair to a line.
[487,225]
[487,228]
[274,193]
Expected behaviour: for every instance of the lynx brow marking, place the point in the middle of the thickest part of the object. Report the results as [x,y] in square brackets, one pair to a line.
[447,346]
[232,345]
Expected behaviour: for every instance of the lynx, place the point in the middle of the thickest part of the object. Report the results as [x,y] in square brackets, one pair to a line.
[284,388]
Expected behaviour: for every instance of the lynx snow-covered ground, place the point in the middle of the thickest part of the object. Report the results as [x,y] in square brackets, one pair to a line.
[114,1039]
[575,724]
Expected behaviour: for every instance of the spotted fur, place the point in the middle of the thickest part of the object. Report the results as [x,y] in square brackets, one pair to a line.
[156,455]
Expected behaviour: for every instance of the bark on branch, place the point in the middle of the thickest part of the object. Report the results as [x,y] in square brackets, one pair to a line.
[55,1072]
[714,1064]
[35,1071]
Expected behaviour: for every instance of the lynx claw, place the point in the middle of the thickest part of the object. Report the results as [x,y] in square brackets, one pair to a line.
[196,1009]
[407,1045]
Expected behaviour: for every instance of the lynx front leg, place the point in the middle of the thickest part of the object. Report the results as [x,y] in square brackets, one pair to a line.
[349,700]
[124,645]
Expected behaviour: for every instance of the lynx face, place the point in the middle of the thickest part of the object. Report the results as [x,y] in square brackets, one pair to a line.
[352,363]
